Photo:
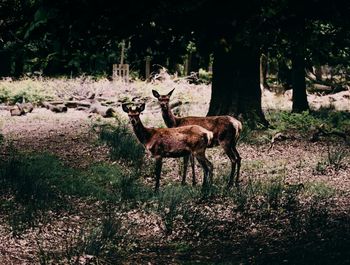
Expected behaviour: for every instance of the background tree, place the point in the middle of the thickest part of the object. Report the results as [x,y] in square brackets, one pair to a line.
[84,36]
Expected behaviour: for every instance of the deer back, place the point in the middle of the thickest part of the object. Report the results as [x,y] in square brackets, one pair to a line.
[179,141]
[221,126]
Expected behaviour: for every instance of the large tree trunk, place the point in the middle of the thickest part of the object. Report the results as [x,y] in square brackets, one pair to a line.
[298,68]
[236,83]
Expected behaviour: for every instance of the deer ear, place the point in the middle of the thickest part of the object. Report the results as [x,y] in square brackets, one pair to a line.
[155,93]
[171,92]
[141,108]
[125,108]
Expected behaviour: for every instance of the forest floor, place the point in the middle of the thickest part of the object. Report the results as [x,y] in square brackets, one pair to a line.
[293,206]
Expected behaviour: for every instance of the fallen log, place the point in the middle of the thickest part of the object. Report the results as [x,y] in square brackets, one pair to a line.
[55,108]
[26,107]
[75,104]
[90,105]
[106,112]
[16,111]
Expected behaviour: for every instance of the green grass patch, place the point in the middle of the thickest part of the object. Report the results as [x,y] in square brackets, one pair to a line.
[305,124]
[122,142]
[34,184]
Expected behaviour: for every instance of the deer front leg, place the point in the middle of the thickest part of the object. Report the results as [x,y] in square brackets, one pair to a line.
[158,170]
[238,159]
[194,182]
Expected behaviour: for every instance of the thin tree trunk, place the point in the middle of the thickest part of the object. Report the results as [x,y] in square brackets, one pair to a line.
[300,102]
[263,72]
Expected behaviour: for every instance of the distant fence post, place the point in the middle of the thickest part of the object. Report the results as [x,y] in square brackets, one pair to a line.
[121,72]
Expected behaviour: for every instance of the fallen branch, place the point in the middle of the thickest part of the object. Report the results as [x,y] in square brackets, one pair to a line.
[97,107]
[55,108]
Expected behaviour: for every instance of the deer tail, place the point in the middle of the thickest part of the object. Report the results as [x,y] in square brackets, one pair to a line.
[237,125]
[210,137]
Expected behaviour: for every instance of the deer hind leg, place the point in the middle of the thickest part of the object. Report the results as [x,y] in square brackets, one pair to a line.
[158,170]
[185,164]
[207,168]
[229,150]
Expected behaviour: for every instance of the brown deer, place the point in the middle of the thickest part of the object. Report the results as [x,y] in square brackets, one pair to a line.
[172,142]
[226,131]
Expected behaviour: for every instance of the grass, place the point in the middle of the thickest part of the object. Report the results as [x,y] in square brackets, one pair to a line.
[30,89]
[37,184]
[303,124]
[306,121]
[122,142]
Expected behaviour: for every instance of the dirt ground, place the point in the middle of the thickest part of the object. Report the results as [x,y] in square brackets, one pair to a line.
[70,137]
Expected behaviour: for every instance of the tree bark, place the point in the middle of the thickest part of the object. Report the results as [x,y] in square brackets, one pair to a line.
[263,71]
[300,102]
[236,83]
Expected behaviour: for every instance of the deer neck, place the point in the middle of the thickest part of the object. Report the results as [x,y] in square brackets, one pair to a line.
[169,118]
[142,133]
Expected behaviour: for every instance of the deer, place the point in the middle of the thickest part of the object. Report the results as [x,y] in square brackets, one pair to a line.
[171,143]
[226,131]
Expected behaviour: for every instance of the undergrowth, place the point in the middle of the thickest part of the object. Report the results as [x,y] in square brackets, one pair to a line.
[304,124]
[122,142]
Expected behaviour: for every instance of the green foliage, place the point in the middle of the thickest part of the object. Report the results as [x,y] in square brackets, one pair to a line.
[40,182]
[204,76]
[302,122]
[123,143]
[307,121]
[31,179]
[121,187]
[30,90]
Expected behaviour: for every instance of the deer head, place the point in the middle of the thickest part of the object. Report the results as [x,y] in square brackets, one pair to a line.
[163,99]
[133,113]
